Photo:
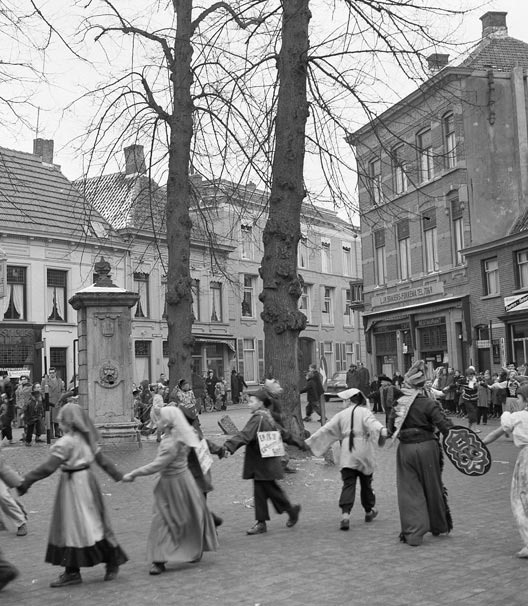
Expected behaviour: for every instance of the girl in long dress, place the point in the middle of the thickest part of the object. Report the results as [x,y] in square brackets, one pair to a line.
[516,424]
[80,533]
[182,526]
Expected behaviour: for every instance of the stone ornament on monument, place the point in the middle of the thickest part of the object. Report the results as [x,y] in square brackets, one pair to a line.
[105,355]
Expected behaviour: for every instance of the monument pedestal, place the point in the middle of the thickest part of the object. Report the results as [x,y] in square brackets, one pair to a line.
[105,356]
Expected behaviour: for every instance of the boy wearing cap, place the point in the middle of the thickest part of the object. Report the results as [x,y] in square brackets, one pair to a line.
[359,432]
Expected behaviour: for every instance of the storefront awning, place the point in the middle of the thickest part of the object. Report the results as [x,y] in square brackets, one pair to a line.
[217,341]
[414,307]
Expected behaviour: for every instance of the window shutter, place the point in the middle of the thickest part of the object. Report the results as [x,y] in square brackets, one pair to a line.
[379,238]
[321,352]
[260,352]
[402,227]
[343,356]
[240,354]
[429,219]
[457,211]
[337,347]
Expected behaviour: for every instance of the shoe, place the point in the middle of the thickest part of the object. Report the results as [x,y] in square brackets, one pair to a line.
[21,531]
[289,470]
[258,528]
[157,568]
[38,440]
[111,573]
[307,419]
[344,525]
[10,573]
[218,521]
[67,578]
[370,515]
[294,516]
[523,553]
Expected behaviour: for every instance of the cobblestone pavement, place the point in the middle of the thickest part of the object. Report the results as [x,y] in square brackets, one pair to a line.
[312,564]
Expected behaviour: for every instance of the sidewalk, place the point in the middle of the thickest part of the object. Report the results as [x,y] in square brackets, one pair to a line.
[313,564]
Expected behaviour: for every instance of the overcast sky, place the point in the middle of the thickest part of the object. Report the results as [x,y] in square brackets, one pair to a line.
[68,78]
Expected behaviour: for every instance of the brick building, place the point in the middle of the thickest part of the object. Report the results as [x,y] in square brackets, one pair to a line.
[443,170]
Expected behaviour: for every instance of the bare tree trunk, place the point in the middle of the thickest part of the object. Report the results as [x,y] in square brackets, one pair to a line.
[281,284]
[179,296]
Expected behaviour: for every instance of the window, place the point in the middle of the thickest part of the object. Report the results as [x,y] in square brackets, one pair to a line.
[522,268]
[425,155]
[141,286]
[347,259]
[15,300]
[56,292]
[348,311]
[305,302]
[195,293]
[164,295]
[327,309]
[376,192]
[328,353]
[356,294]
[449,141]
[490,269]
[142,361]
[430,240]
[457,217]
[250,358]
[216,302]
[57,360]
[325,256]
[380,266]
[349,354]
[404,249]
[302,253]
[246,241]
[399,170]
[248,298]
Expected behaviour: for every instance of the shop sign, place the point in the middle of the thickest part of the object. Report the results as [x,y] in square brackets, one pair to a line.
[407,296]
[3,276]
[483,344]
[516,303]
[15,373]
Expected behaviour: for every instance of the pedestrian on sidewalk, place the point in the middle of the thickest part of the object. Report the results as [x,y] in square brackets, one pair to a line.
[34,415]
[9,478]
[469,397]
[422,498]
[182,526]
[80,533]
[264,471]
[5,420]
[359,432]
[516,424]
[314,390]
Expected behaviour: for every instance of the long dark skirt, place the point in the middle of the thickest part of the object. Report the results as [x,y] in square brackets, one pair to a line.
[421,496]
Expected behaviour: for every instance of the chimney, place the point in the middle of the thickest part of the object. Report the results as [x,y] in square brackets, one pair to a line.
[44,149]
[134,159]
[494,25]
[436,62]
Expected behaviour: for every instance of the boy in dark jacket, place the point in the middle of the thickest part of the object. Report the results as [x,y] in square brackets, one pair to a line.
[314,390]
[264,471]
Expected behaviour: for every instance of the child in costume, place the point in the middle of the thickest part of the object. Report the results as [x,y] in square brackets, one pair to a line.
[182,526]
[516,424]
[264,471]
[9,477]
[80,534]
[358,431]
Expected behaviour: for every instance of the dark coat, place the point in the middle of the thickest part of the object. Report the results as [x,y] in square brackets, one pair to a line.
[314,388]
[235,387]
[352,378]
[364,379]
[255,467]
[210,384]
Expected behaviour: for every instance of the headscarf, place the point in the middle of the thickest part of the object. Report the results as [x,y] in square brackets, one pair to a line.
[75,417]
[179,428]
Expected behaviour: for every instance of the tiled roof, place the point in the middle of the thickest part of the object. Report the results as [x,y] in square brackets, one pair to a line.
[36,198]
[521,223]
[500,53]
[126,201]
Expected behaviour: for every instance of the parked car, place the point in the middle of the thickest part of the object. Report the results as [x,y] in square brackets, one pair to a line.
[336,384]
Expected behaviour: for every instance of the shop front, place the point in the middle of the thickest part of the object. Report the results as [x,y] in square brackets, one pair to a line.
[437,332]
[21,350]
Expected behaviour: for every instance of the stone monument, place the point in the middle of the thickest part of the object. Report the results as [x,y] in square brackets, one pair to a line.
[105,355]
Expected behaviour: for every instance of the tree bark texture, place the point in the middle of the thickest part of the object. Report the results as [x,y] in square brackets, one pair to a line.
[179,297]
[282,286]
